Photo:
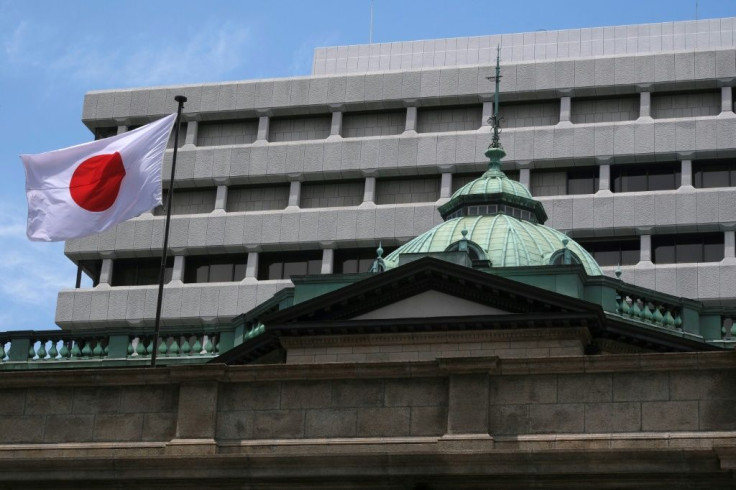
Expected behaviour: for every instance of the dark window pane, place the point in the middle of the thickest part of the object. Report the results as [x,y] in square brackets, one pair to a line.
[239,272]
[661,181]
[221,273]
[630,257]
[202,273]
[714,178]
[314,266]
[689,252]
[294,269]
[139,272]
[275,271]
[582,181]
[349,266]
[664,250]
[607,257]
[713,247]
[634,183]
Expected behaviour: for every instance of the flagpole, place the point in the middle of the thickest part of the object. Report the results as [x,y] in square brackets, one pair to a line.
[180,99]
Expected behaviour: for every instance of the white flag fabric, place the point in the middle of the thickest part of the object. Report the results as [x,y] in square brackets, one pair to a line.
[88,188]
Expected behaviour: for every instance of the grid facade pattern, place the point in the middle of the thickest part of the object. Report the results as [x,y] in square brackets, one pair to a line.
[189,201]
[520,115]
[441,119]
[332,194]
[257,198]
[696,104]
[384,123]
[299,128]
[608,109]
[227,133]
[407,190]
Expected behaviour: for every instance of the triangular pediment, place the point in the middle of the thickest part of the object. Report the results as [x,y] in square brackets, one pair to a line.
[430,304]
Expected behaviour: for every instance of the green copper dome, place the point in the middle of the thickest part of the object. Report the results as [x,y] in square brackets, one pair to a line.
[507,242]
[493,182]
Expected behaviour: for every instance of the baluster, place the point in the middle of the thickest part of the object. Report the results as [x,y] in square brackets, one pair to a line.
[658,318]
[53,352]
[197,346]
[86,350]
[2,350]
[41,350]
[140,347]
[98,351]
[669,320]
[162,349]
[618,303]
[149,347]
[626,306]
[65,352]
[635,309]
[76,353]
[678,321]
[733,329]
[31,351]
[208,347]
[130,350]
[174,346]
[186,349]
[647,311]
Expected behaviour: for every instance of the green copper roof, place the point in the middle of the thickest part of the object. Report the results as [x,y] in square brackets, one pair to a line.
[507,241]
[493,182]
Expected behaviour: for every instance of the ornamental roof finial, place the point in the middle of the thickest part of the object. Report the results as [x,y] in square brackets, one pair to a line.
[495,119]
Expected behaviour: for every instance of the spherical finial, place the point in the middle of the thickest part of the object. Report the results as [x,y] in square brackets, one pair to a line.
[464,233]
[565,241]
[379,250]
[618,272]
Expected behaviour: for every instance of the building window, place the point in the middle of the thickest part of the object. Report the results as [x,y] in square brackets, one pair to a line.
[283,265]
[620,251]
[701,247]
[140,272]
[714,173]
[639,178]
[257,198]
[189,201]
[441,119]
[91,269]
[354,260]
[209,268]
[560,182]
[101,133]
[407,189]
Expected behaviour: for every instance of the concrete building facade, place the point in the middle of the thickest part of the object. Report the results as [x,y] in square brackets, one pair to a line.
[626,134]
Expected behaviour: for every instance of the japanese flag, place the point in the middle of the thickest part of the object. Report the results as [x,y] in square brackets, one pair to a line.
[86,189]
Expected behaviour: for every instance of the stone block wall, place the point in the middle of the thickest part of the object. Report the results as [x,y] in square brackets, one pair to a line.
[227,133]
[54,415]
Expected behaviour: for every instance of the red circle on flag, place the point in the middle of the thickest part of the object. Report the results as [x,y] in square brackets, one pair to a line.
[96,182]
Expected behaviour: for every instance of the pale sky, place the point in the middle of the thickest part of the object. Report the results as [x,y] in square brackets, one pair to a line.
[52,52]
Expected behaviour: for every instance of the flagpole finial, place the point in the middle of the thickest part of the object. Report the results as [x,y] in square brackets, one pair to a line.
[180,98]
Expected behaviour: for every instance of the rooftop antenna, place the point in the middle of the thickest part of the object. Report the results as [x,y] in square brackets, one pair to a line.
[370,33]
[696,9]
[495,119]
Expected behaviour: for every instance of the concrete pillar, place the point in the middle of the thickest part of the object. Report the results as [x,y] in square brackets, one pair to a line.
[177,274]
[251,267]
[729,245]
[686,172]
[122,129]
[264,123]
[295,193]
[369,191]
[604,178]
[525,177]
[221,198]
[565,103]
[487,113]
[106,272]
[645,245]
[192,131]
[328,255]
[645,105]
[726,100]
[336,125]
[446,186]
[411,120]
